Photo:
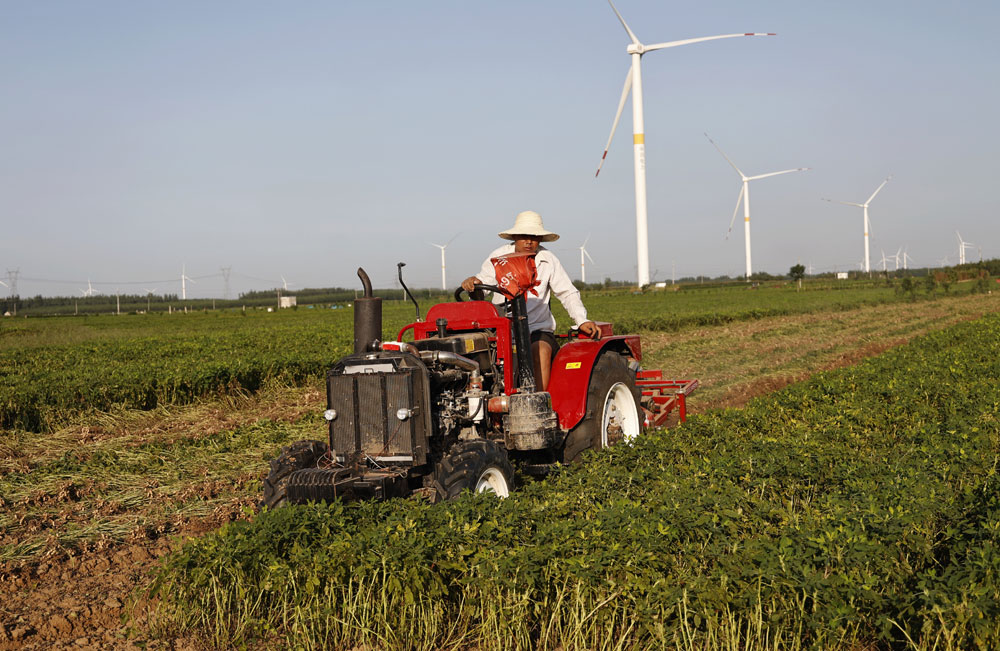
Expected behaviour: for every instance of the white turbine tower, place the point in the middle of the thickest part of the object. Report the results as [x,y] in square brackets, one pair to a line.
[444,283]
[149,296]
[896,258]
[962,246]
[907,258]
[633,83]
[867,224]
[745,198]
[584,252]
[184,279]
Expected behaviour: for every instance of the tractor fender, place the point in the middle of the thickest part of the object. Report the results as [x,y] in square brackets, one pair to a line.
[571,371]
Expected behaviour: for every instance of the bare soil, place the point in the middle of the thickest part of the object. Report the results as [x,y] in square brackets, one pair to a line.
[88,595]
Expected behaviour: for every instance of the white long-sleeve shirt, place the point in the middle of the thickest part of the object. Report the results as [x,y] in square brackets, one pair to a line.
[552,279]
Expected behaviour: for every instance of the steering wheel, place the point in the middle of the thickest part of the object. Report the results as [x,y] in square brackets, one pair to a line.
[477,293]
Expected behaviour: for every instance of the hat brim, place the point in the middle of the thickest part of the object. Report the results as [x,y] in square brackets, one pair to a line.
[544,236]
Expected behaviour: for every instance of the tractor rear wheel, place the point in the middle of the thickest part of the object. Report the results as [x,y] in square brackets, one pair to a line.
[297,456]
[480,466]
[613,411]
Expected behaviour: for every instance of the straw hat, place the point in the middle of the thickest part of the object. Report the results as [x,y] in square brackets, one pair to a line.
[529,222]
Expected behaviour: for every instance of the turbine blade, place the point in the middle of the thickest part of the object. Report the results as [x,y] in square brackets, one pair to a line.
[631,35]
[453,238]
[738,170]
[846,203]
[732,221]
[764,176]
[689,41]
[879,189]
[585,241]
[618,115]
[588,255]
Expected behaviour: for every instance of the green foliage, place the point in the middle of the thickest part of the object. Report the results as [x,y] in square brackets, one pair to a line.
[54,368]
[857,509]
[908,287]
[797,272]
[930,283]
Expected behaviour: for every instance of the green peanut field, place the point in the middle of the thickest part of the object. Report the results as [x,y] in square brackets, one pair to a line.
[834,487]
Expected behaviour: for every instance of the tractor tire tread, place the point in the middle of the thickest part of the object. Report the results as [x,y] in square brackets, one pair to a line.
[465,462]
[297,456]
[610,367]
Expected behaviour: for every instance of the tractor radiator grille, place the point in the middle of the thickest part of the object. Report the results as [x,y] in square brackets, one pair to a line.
[367,406]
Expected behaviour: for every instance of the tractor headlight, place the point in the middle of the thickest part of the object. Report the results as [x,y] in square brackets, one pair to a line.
[330,414]
[403,413]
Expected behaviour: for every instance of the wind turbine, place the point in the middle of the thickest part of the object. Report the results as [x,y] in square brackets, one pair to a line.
[184,279]
[745,198]
[90,291]
[962,246]
[867,224]
[444,284]
[149,295]
[633,83]
[895,259]
[284,283]
[584,252]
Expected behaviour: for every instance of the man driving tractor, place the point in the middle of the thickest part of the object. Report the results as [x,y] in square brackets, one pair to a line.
[526,236]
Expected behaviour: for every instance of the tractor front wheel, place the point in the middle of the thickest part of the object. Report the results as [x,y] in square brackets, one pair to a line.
[480,466]
[297,456]
[613,412]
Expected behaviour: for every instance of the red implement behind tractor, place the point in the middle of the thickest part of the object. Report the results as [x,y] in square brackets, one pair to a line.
[453,407]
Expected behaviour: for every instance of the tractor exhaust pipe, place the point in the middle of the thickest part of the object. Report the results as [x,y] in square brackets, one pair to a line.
[367,317]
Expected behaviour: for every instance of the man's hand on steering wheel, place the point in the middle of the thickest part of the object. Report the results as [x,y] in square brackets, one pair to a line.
[590,329]
[469,284]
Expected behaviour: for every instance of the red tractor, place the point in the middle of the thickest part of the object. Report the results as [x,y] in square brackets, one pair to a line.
[453,407]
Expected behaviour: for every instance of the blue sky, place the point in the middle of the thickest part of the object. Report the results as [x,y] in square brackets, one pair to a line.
[305,139]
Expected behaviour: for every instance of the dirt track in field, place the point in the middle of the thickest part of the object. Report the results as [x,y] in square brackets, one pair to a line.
[79,592]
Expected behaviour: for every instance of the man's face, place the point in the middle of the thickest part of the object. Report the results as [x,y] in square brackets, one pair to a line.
[526,243]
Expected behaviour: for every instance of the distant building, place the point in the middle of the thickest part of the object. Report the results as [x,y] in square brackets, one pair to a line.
[286,301]
[841,275]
